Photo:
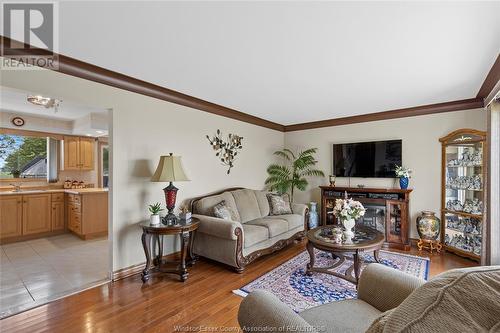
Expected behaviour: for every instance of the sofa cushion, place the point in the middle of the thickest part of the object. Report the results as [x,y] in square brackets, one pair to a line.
[224,211]
[253,234]
[205,206]
[294,220]
[275,226]
[351,315]
[261,197]
[459,300]
[279,204]
[247,205]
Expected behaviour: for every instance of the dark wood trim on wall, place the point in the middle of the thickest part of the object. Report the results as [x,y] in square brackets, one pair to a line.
[77,68]
[491,80]
[74,67]
[465,104]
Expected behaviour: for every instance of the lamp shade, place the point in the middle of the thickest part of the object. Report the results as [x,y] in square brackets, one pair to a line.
[169,169]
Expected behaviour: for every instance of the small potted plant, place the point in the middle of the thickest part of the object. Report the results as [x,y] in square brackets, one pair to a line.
[404,176]
[16,173]
[155,210]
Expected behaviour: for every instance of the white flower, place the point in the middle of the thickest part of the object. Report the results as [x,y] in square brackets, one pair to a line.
[348,209]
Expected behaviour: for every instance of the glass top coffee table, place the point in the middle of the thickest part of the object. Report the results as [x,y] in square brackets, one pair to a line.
[365,240]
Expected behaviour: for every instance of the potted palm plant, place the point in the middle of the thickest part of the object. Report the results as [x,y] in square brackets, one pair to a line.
[155,210]
[285,178]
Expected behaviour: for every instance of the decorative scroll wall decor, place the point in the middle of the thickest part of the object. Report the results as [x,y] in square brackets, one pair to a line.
[226,150]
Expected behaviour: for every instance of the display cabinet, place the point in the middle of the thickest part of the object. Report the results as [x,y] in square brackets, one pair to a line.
[463,192]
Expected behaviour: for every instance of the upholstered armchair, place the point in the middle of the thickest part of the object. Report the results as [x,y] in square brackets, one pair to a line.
[460,300]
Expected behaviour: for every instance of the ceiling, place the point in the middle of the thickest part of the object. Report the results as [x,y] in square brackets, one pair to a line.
[81,119]
[292,62]
[15,101]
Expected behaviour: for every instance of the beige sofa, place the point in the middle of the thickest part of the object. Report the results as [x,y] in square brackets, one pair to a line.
[460,300]
[254,233]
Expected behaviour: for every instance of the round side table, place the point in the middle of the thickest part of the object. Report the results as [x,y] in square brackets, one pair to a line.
[155,233]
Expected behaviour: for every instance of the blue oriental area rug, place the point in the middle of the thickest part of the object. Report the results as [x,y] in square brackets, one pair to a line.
[300,291]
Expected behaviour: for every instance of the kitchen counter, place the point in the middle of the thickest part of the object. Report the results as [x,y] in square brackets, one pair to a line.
[61,190]
[44,211]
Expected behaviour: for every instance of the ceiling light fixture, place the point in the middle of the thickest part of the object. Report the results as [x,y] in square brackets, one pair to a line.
[46,102]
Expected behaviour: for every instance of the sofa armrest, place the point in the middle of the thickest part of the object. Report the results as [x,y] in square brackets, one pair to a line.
[299,209]
[261,311]
[385,287]
[218,227]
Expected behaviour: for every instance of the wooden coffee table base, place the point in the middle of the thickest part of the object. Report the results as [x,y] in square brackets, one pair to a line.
[354,268]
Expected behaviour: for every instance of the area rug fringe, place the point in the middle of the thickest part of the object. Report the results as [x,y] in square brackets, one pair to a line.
[240,292]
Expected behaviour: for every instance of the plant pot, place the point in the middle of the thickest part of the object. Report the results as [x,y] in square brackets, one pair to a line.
[16,174]
[428,225]
[404,182]
[154,219]
[348,232]
[313,215]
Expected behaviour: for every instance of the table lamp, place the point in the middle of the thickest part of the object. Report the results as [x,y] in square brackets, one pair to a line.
[169,169]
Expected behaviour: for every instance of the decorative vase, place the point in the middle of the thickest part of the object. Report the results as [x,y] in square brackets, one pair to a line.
[428,225]
[348,232]
[403,182]
[313,215]
[154,219]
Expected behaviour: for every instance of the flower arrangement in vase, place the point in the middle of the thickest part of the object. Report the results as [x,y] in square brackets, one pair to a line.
[404,176]
[347,211]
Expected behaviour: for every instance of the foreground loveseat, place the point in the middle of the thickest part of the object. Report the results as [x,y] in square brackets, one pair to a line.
[459,300]
[251,234]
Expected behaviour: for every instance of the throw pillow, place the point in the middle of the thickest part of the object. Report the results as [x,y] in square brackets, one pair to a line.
[279,204]
[223,211]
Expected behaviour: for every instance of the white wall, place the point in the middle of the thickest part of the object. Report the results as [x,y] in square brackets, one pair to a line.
[421,152]
[58,126]
[144,128]
[33,123]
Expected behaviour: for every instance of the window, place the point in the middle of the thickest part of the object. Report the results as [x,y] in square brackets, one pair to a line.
[23,156]
[103,165]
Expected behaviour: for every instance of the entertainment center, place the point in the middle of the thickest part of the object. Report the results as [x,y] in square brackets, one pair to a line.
[387,210]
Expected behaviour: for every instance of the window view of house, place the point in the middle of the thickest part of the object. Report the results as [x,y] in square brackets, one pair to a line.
[105,166]
[23,156]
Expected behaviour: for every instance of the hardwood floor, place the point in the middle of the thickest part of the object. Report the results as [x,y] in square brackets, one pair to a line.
[205,299]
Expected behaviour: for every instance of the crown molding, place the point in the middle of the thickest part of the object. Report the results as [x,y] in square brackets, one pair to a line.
[491,81]
[77,68]
[465,104]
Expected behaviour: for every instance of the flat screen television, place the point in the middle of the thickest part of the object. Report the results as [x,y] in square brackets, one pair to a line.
[376,159]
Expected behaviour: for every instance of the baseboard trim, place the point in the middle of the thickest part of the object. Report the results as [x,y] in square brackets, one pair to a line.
[129,271]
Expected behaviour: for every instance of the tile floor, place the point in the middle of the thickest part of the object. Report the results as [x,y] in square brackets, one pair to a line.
[37,271]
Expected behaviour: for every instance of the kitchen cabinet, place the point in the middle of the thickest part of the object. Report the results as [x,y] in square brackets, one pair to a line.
[36,213]
[88,214]
[78,153]
[58,212]
[33,215]
[11,214]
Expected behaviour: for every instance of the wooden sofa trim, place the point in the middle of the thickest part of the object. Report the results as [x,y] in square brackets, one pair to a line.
[241,260]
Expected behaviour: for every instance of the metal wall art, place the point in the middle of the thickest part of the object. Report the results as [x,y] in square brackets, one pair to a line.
[226,150]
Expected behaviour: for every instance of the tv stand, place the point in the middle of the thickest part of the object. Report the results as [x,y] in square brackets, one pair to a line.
[387,210]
